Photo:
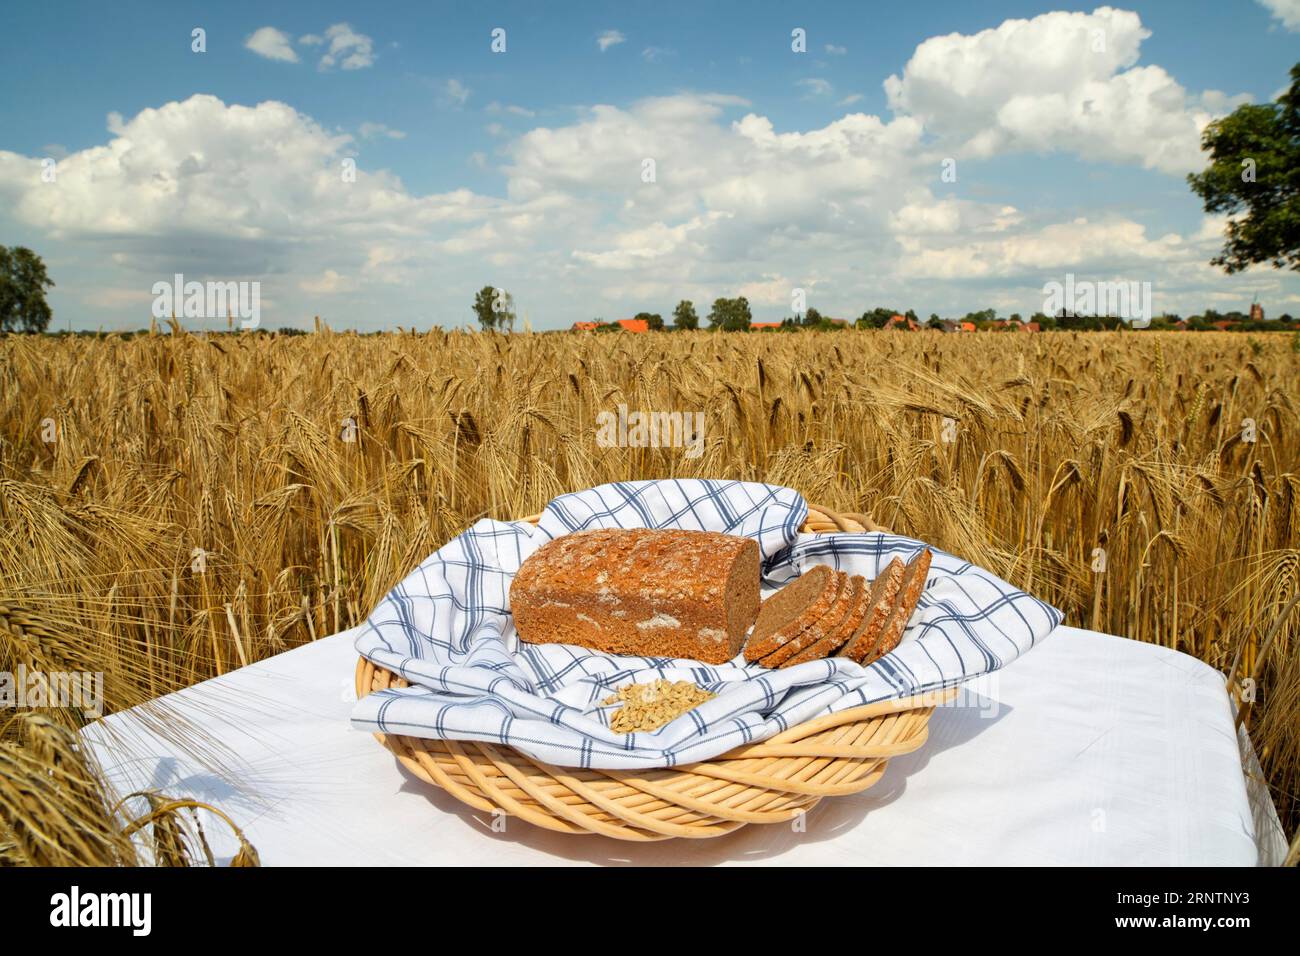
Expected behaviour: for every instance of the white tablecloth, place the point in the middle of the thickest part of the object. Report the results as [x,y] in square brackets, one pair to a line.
[1090,749]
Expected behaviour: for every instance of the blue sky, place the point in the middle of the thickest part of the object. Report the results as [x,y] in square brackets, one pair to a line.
[775,170]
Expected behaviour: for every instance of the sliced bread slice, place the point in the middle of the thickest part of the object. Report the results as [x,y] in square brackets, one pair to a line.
[819,628]
[847,627]
[880,601]
[791,609]
[908,595]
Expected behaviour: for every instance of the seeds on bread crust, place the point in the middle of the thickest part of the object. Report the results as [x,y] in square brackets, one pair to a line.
[787,612]
[880,601]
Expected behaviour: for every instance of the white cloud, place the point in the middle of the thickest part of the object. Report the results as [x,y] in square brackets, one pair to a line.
[815,86]
[1061,81]
[1212,229]
[117,297]
[727,195]
[1111,244]
[637,247]
[1288,11]
[923,218]
[264,174]
[454,93]
[328,282]
[653,54]
[608,39]
[850,99]
[371,130]
[834,50]
[347,48]
[272,44]
[472,241]
[497,107]
[922,215]
[772,289]
[1219,103]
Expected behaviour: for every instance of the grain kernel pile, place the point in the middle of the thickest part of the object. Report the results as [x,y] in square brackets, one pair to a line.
[650,706]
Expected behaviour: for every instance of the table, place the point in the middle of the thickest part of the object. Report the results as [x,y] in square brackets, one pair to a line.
[1089,750]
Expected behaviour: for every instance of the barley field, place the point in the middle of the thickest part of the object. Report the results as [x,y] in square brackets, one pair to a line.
[173,506]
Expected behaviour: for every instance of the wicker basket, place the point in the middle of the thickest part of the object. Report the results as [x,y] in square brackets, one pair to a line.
[769,782]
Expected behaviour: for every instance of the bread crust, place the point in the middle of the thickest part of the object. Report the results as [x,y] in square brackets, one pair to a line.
[884,592]
[645,592]
[760,646]
[918,569]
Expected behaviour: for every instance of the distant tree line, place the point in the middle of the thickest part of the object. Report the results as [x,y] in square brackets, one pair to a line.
[734,315]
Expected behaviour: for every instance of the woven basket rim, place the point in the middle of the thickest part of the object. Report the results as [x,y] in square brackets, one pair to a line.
[773,781]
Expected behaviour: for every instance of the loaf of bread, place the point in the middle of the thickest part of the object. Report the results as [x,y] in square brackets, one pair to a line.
[691,594]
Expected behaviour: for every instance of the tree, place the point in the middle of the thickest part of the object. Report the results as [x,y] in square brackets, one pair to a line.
[875,319]
[494,308]
[1255,168]
[811,318]
[934,321]
[982,318]
[483,311]
[23,282]
[504,306]
[684,316]
[653,320]
[730,315]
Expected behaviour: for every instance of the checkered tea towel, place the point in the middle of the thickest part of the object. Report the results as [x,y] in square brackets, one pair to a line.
[447,629]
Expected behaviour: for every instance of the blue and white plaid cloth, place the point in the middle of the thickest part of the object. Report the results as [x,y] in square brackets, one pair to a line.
[447,629]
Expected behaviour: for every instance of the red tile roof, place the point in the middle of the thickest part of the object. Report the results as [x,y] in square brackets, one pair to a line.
[585,326]
[634,325]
